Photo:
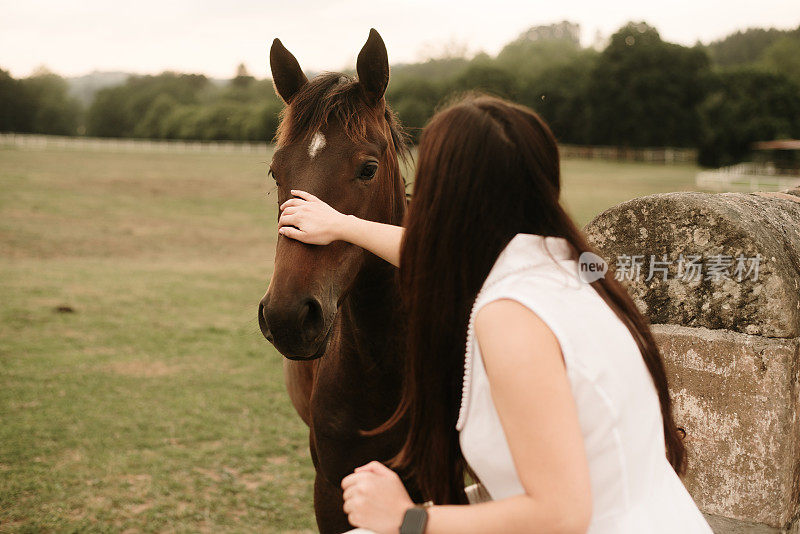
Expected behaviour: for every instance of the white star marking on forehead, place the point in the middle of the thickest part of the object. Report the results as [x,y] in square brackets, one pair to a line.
[317,144]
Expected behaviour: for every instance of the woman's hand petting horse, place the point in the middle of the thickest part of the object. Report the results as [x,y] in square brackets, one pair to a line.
[310,220]
[375,498]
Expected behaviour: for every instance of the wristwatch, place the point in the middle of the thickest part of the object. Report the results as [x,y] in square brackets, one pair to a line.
[414,521]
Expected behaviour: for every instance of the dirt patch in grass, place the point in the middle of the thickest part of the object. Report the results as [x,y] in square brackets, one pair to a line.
[69,457]
[250,480]
[210,473]
[138,509]
[254,480]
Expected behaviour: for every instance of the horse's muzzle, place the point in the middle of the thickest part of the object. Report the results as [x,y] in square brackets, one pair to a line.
[297,330]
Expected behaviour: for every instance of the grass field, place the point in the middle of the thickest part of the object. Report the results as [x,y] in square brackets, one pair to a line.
[136,392]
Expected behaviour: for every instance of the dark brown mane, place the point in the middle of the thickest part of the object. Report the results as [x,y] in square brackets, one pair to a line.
[336,95]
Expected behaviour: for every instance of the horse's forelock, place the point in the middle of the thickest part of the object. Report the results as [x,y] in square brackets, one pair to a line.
[337,96]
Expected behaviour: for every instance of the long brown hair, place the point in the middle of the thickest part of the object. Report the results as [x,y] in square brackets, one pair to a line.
[487,170]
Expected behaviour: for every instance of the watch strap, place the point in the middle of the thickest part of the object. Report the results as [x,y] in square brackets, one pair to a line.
[414,521]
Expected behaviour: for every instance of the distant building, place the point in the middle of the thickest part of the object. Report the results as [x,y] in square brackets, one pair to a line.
[782,154]
[775,167]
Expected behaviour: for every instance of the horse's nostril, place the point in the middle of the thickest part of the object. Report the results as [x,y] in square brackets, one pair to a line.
[311,319]
[262,322]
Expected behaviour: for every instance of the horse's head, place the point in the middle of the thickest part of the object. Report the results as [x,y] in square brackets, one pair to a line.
[340,142]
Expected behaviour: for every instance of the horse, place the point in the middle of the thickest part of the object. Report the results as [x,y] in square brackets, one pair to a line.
[332,311]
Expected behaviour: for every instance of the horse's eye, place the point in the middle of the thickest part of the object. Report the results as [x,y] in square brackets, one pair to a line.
[271,174]
[368,170]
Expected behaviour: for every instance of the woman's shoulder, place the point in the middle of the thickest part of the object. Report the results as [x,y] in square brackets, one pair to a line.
[531,255]
[509,322]
[532,265]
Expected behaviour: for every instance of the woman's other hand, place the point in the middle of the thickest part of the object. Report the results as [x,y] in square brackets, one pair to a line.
[310,220]
[375,498]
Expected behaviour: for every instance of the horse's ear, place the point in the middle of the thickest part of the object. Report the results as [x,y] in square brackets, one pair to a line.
[373,67]
[287,75]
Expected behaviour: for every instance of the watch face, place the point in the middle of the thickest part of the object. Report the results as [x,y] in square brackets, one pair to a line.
[414,521]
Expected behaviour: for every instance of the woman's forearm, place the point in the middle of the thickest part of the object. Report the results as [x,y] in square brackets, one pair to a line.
[513,514]
[381,239]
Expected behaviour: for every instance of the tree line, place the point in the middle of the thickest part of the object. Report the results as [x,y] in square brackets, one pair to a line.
[637,91]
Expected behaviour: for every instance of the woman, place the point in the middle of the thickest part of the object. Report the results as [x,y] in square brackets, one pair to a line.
[559,405]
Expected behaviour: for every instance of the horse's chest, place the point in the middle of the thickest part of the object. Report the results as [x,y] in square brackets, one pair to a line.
[341,407]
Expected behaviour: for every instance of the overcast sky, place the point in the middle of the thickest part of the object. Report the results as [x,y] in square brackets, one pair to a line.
[75,37]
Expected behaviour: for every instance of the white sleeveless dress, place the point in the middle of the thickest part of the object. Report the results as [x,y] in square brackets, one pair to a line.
[634,488]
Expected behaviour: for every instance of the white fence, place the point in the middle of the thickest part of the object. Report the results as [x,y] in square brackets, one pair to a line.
[664,155]
[39,142]
[746,177]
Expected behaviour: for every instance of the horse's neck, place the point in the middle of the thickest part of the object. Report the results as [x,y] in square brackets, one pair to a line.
[373,304]
[371,319]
